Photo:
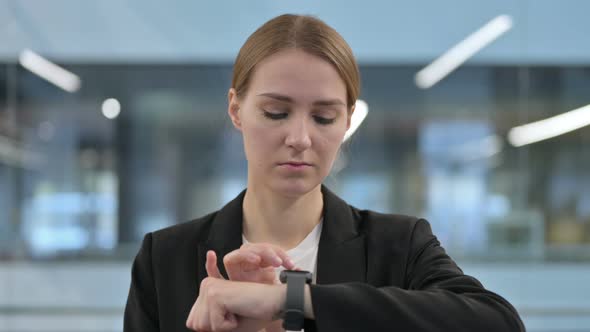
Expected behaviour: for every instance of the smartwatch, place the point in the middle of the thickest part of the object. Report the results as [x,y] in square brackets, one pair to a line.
[293,313]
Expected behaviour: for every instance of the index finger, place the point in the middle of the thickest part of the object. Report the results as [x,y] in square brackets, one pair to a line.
[270,255]
[211,265]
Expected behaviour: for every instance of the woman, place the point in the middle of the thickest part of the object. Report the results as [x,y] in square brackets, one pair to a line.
[293,93]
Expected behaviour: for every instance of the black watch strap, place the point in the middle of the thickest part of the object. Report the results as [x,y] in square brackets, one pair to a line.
[293,313]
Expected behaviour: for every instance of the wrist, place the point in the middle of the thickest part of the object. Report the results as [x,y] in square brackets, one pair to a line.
[281,291]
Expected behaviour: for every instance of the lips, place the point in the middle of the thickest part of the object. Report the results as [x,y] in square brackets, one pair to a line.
[295,163]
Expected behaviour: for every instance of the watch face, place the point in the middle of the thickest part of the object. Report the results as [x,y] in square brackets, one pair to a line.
[290,273]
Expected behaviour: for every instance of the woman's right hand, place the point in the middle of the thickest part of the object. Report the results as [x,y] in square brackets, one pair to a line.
[255,262]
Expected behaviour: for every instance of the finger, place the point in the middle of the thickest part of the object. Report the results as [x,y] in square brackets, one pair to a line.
[287,261]
[211,265]
[190,324]
[241,256]
[275,256]
[270,255]
[271,271]
[238,262]
[198,318]
[220,319]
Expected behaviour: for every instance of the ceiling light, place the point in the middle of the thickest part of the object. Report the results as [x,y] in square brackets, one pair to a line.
[49,71]
[458,54]
[111,108]
[550,127]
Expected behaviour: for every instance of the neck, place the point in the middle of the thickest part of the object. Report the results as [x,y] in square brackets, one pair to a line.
[279,220]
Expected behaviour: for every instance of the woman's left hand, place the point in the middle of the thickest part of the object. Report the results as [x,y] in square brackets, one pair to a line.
[225,305]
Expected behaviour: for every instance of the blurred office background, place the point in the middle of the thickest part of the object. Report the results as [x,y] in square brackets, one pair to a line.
[136,138]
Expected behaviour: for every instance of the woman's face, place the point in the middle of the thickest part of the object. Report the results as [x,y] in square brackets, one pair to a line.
[293,119]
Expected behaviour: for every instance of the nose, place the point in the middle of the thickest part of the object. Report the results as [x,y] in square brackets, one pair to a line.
[298,135]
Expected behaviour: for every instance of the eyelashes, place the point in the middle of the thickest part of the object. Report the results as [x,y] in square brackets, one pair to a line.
[275,116]
[322,120]
[283,115]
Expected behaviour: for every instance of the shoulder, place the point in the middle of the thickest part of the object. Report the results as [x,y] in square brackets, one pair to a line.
[350,220]
[382,221]
[390,226]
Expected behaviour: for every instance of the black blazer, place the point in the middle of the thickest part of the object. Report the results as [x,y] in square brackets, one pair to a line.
[375,272]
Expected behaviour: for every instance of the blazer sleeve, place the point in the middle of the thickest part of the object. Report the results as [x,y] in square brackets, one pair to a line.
[141,311]
[439,298]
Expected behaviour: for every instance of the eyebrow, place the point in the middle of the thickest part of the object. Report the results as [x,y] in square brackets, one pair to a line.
[325,102]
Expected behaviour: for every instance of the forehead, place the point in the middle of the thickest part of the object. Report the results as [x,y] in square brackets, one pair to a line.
[300,75]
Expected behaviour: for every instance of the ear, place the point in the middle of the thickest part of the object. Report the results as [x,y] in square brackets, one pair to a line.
[233,108]
[349,117]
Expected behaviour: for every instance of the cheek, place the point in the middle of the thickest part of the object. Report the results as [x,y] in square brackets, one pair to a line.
[330,143]
[258,141]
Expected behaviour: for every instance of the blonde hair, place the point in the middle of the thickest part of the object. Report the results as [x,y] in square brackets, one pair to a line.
[302,32]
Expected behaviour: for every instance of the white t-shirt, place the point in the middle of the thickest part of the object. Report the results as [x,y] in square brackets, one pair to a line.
[305,254]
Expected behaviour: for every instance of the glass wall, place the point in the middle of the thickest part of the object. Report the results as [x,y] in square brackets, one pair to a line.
[76,183]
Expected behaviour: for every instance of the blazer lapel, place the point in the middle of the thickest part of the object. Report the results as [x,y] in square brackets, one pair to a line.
[342,252]
[225,235]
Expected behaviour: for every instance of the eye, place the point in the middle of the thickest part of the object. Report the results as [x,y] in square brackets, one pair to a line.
[322,120]
[275,116]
